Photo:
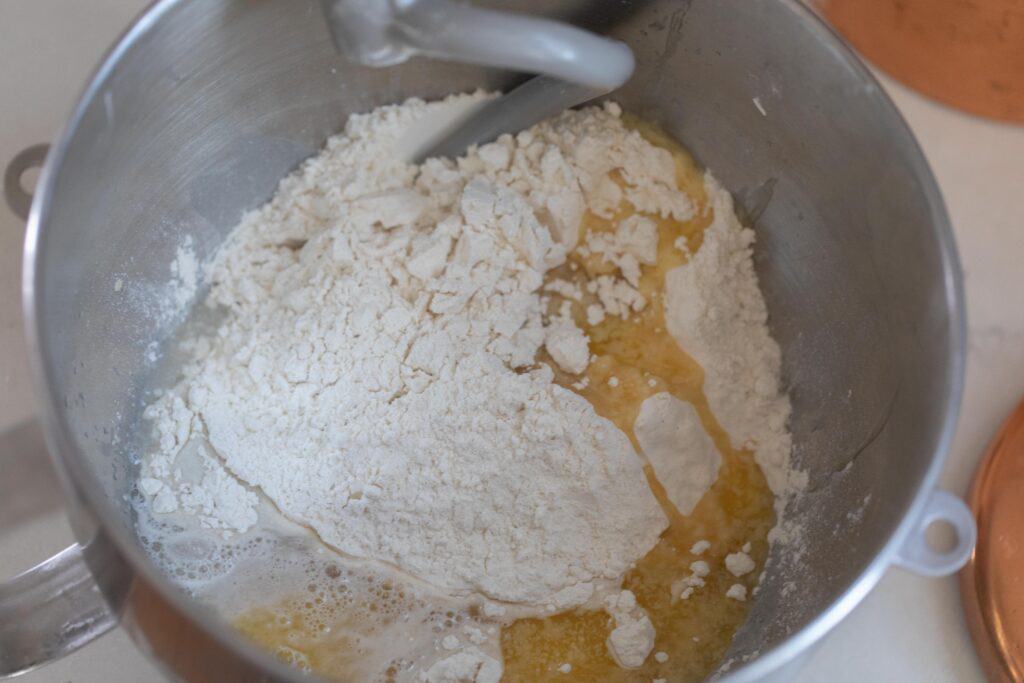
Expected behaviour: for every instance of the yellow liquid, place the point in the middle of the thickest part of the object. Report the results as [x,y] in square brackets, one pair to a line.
[696,632]
[645,359]
[332,627]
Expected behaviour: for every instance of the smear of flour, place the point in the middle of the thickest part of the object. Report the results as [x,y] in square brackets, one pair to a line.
[469,665]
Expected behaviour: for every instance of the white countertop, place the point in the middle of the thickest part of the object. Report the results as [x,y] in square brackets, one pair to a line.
[908,629]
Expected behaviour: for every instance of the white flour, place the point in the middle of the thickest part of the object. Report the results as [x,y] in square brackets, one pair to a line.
[632,639]
[714,309]
[375,374]
[682,454]
[739,563]
[469,665]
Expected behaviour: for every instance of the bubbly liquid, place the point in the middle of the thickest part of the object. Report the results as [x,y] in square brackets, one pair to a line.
[645,360]
[358,625]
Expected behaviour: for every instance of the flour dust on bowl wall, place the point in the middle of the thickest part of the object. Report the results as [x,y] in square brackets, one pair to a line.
[514,414]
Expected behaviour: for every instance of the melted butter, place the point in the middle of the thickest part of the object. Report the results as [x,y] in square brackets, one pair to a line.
[333,629]
[295,639]
[355,624]
[644,360]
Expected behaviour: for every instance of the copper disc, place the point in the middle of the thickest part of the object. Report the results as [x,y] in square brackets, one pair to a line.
[966,53]
[992,583]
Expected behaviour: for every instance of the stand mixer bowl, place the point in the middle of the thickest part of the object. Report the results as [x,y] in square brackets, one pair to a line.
[202,107]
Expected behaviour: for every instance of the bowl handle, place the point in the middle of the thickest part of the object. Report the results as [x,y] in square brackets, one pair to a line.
[57,606]
[51,610]
[18,199]
[918,556]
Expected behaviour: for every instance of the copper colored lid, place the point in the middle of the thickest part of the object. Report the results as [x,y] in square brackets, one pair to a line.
[966,53]
[992,583]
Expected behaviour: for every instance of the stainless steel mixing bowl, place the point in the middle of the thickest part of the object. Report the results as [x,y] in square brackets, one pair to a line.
[205,104]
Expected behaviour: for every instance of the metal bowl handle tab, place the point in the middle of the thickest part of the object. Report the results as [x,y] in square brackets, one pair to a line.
[49,611]
[379,33]
[18,199]
[918,556]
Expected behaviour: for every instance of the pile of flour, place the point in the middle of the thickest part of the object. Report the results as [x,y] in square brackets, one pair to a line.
[375,373]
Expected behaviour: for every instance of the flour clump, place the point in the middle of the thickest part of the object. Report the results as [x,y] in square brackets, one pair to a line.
[682,454]
[632,639]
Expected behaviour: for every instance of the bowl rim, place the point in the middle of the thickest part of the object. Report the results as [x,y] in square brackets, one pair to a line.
[66,453]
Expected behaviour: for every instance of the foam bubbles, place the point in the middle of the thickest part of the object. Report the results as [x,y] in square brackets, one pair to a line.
[313,608]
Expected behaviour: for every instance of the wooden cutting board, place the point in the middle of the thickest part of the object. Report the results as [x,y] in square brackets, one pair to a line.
[966,53]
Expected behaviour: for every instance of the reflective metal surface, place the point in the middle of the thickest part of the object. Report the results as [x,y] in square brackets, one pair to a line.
[376,33]
[573,66]
[204,106]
